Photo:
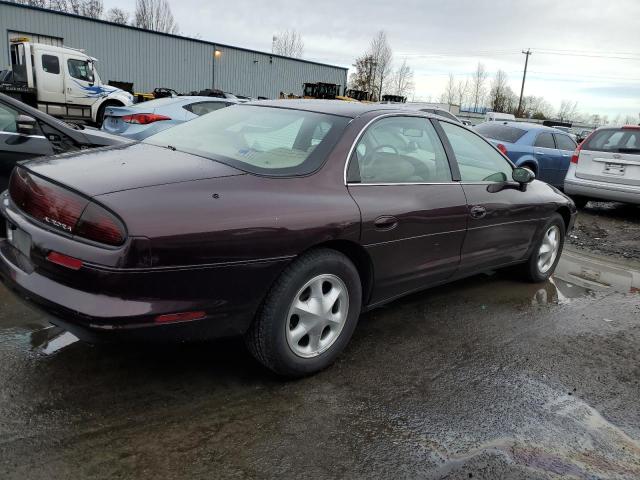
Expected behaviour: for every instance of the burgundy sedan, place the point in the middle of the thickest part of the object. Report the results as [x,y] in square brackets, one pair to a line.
[280,221]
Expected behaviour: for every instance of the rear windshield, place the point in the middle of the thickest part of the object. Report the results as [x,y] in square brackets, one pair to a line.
[614,140]
[263,140]
[501,132]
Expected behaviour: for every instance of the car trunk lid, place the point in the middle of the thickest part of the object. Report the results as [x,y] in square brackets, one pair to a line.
[112,169]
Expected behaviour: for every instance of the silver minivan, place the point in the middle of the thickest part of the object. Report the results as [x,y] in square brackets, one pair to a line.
[606,166]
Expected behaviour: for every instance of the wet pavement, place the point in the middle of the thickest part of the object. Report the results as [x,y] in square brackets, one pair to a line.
[485,378]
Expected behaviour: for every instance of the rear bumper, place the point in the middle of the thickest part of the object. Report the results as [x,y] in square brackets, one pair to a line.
[97,317]
[600,190]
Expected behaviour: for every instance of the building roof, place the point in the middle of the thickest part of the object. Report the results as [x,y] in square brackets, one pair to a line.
[214,44]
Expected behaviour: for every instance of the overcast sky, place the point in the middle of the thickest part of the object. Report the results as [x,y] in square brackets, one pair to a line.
[442,36]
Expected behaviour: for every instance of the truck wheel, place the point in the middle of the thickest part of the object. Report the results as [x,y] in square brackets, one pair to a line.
[308,316]
[101,109]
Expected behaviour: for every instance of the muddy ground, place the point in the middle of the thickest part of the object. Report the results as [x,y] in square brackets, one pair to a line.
[487,378]
[608,228]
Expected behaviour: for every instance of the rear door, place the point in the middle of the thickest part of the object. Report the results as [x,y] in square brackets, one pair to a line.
[414,213]
[611,155]
[548,157]
[502,219]
[566,147]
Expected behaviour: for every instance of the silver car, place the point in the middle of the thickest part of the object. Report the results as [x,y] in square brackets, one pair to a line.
[142,120]
[606,166]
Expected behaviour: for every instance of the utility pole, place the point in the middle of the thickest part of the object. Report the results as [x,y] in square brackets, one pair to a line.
[524,77]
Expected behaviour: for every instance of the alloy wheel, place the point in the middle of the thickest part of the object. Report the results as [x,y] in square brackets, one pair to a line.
[317,315]
[549,249]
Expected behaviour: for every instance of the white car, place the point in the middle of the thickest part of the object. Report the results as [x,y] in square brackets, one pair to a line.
[606,166]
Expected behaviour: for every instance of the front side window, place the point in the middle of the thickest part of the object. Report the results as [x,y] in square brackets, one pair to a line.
[565,143]
[263,140]
[8,118]
[477,160]
[51,64]
[401,150]
[80,69]
[545,140]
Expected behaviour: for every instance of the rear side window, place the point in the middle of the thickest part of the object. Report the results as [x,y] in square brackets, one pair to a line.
[565,143]
[545,140]
[401,150]
[477,160]
[203,108]
[503,133]
[614,140]
[51,64]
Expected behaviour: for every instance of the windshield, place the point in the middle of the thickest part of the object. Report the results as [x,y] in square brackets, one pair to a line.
[265,140]
[503,133]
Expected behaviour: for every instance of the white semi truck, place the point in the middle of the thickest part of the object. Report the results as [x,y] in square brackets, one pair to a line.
[60,81]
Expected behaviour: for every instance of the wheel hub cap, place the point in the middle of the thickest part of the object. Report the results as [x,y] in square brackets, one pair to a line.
[549,249]
[317,315]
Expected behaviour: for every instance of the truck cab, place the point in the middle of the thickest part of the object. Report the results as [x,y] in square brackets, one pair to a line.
[61,81]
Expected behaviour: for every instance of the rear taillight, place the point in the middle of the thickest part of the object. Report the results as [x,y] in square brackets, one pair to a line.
[502,148]
[64,210]
[46,201]
[99,225]
[144,118]
[576,155]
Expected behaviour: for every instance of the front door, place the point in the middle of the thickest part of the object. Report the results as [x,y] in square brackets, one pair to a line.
[413,213]
[502,219]
[79,84]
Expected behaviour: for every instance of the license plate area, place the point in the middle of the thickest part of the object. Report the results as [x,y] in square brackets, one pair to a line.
[19,239]
[613,169]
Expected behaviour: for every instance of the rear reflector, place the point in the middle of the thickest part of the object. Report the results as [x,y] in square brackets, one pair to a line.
[144,118]
[64,260]
[180,317]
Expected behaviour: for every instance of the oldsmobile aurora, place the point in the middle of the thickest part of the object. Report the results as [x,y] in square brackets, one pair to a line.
[280,221]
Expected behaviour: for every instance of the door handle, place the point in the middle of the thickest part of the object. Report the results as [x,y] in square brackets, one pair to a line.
[478,211]
[385,222]
[540,153]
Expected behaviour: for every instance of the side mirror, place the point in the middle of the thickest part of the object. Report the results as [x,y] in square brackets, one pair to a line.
[26,125]
[523,175]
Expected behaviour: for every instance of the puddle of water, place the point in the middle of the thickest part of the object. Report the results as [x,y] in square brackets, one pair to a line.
[596,273]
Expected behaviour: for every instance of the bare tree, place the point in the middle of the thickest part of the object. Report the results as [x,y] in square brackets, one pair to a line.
[462,91]
[449,94]
[568,110]
[477,86]
[403,80]
[155,15]
[362,78]
[32,3]
[500,93]
[382,55]
[117,15]
[288,43]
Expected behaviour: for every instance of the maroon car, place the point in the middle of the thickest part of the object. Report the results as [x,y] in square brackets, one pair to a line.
[279,220]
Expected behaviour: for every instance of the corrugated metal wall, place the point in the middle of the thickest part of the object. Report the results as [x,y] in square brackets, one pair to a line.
[152,60]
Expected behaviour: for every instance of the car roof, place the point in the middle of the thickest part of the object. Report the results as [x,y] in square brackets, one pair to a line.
[330,107]
[527,126]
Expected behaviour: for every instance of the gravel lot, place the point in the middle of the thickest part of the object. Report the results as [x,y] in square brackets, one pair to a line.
[486,378]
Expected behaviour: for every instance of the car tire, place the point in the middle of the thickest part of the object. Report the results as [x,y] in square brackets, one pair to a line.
[580,202]
[277,337]
[542,262]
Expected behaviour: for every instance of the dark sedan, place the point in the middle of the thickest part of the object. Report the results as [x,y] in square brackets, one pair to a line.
[26,132]
[280,221]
